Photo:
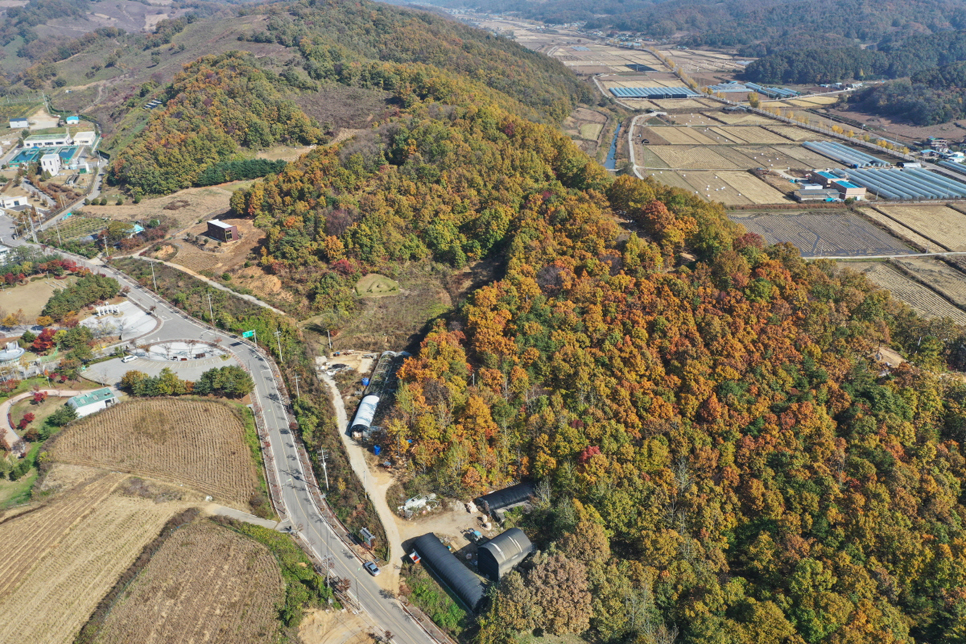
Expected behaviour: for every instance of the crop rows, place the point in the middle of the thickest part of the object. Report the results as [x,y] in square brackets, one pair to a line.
[29,535]
[699,157]
[61,592]
[940,223]
[197,444]
[205,584]
[684,136]
[841,234]
[942,277]
[752,187]
[924,301]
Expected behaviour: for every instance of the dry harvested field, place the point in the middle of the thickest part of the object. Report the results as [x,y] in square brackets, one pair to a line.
[702,157]
[823,234]
[924,301]
[582,56]
[713,187]
[684,136]
[69,577]
[695,60]
[684,103]
[205,584]
[702,119]
[791,132]
[901,231]
[284,152]
[941,224]
[199,444]
[672,178]
[32,533]
[750,134]
[739,118]
[942,277]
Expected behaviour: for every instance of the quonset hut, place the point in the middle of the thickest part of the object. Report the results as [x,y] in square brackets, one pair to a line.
[449,571]
[503,553]
[363,419]
[509,497]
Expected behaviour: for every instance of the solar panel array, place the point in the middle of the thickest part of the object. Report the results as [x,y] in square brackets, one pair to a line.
[907,183]
[846,155]
[653,92]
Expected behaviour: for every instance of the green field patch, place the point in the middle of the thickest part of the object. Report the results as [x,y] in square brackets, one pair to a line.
[590,130]
[376,285]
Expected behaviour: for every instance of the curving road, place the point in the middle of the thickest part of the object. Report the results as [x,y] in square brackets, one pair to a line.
[295,504]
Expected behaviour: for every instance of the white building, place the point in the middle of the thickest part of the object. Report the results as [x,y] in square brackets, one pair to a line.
[19,123]
[48,140]
[92,401]
[13,198]
[84,138]
[50,162]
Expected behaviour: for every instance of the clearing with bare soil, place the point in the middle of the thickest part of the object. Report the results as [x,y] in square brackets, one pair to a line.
[205,584]
[183,208]
[201,254]
[199,444]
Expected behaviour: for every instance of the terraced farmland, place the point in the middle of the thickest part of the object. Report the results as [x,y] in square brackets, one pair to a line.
[175,441]
[205,584]
[28,535]
[836,234]
[63,588]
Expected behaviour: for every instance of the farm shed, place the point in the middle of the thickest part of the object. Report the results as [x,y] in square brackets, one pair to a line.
[19,123]
[506,498]
[364,415]
[221,231]
[92,401]
[503,553]
[467,587]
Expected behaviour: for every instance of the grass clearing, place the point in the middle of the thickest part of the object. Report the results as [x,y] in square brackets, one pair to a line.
[376,285]
[32,296]
[199,444]
[428,595]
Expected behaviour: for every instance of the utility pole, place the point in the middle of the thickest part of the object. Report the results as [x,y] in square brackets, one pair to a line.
[297,394]
[325,470]
[154,278]
[210,311]
[329,336]
[278,334]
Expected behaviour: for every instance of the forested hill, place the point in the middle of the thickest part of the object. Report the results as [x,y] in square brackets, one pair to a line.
[893,58]
[932,96]
[343,32]
[742,22]
[221,107]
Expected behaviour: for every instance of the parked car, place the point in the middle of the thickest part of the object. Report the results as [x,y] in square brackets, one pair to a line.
[372,568]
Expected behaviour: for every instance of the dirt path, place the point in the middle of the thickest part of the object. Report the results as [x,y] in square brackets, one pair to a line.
[357,459]
[8,434]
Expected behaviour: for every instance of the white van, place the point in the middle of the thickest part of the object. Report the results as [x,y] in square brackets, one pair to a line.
[128,358]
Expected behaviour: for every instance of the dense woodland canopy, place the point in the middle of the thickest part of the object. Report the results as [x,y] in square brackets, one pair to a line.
[717,451]
[741,22]
[215,108]
[932,96]
[892,58]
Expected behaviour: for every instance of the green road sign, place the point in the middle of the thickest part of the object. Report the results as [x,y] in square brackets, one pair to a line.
[248,334]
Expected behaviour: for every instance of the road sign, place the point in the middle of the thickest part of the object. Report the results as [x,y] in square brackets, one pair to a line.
[248,334]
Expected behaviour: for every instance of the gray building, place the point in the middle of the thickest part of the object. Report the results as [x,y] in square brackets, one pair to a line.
[503,553]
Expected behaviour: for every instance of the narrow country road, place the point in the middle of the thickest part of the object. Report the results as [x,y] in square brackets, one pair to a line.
[357,459]
[283,456]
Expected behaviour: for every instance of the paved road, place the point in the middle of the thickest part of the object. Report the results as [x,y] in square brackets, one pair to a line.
[297,504]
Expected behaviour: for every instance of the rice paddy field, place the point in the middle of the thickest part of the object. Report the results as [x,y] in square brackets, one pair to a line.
[923,300]
[838,233]
[593,58]
[941,224]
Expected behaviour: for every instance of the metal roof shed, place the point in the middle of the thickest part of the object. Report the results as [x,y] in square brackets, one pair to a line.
[449,571]
[505,498]
[503,553]
[364,415]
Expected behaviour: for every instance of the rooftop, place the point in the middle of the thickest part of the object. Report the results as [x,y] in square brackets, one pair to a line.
[847,184]
[45,137]
[219,224]
[91,397]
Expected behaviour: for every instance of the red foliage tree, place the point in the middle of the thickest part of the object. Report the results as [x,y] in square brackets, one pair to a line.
[45,341]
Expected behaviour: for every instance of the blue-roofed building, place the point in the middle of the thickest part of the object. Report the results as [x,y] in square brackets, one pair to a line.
[72,120]
[849,190]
